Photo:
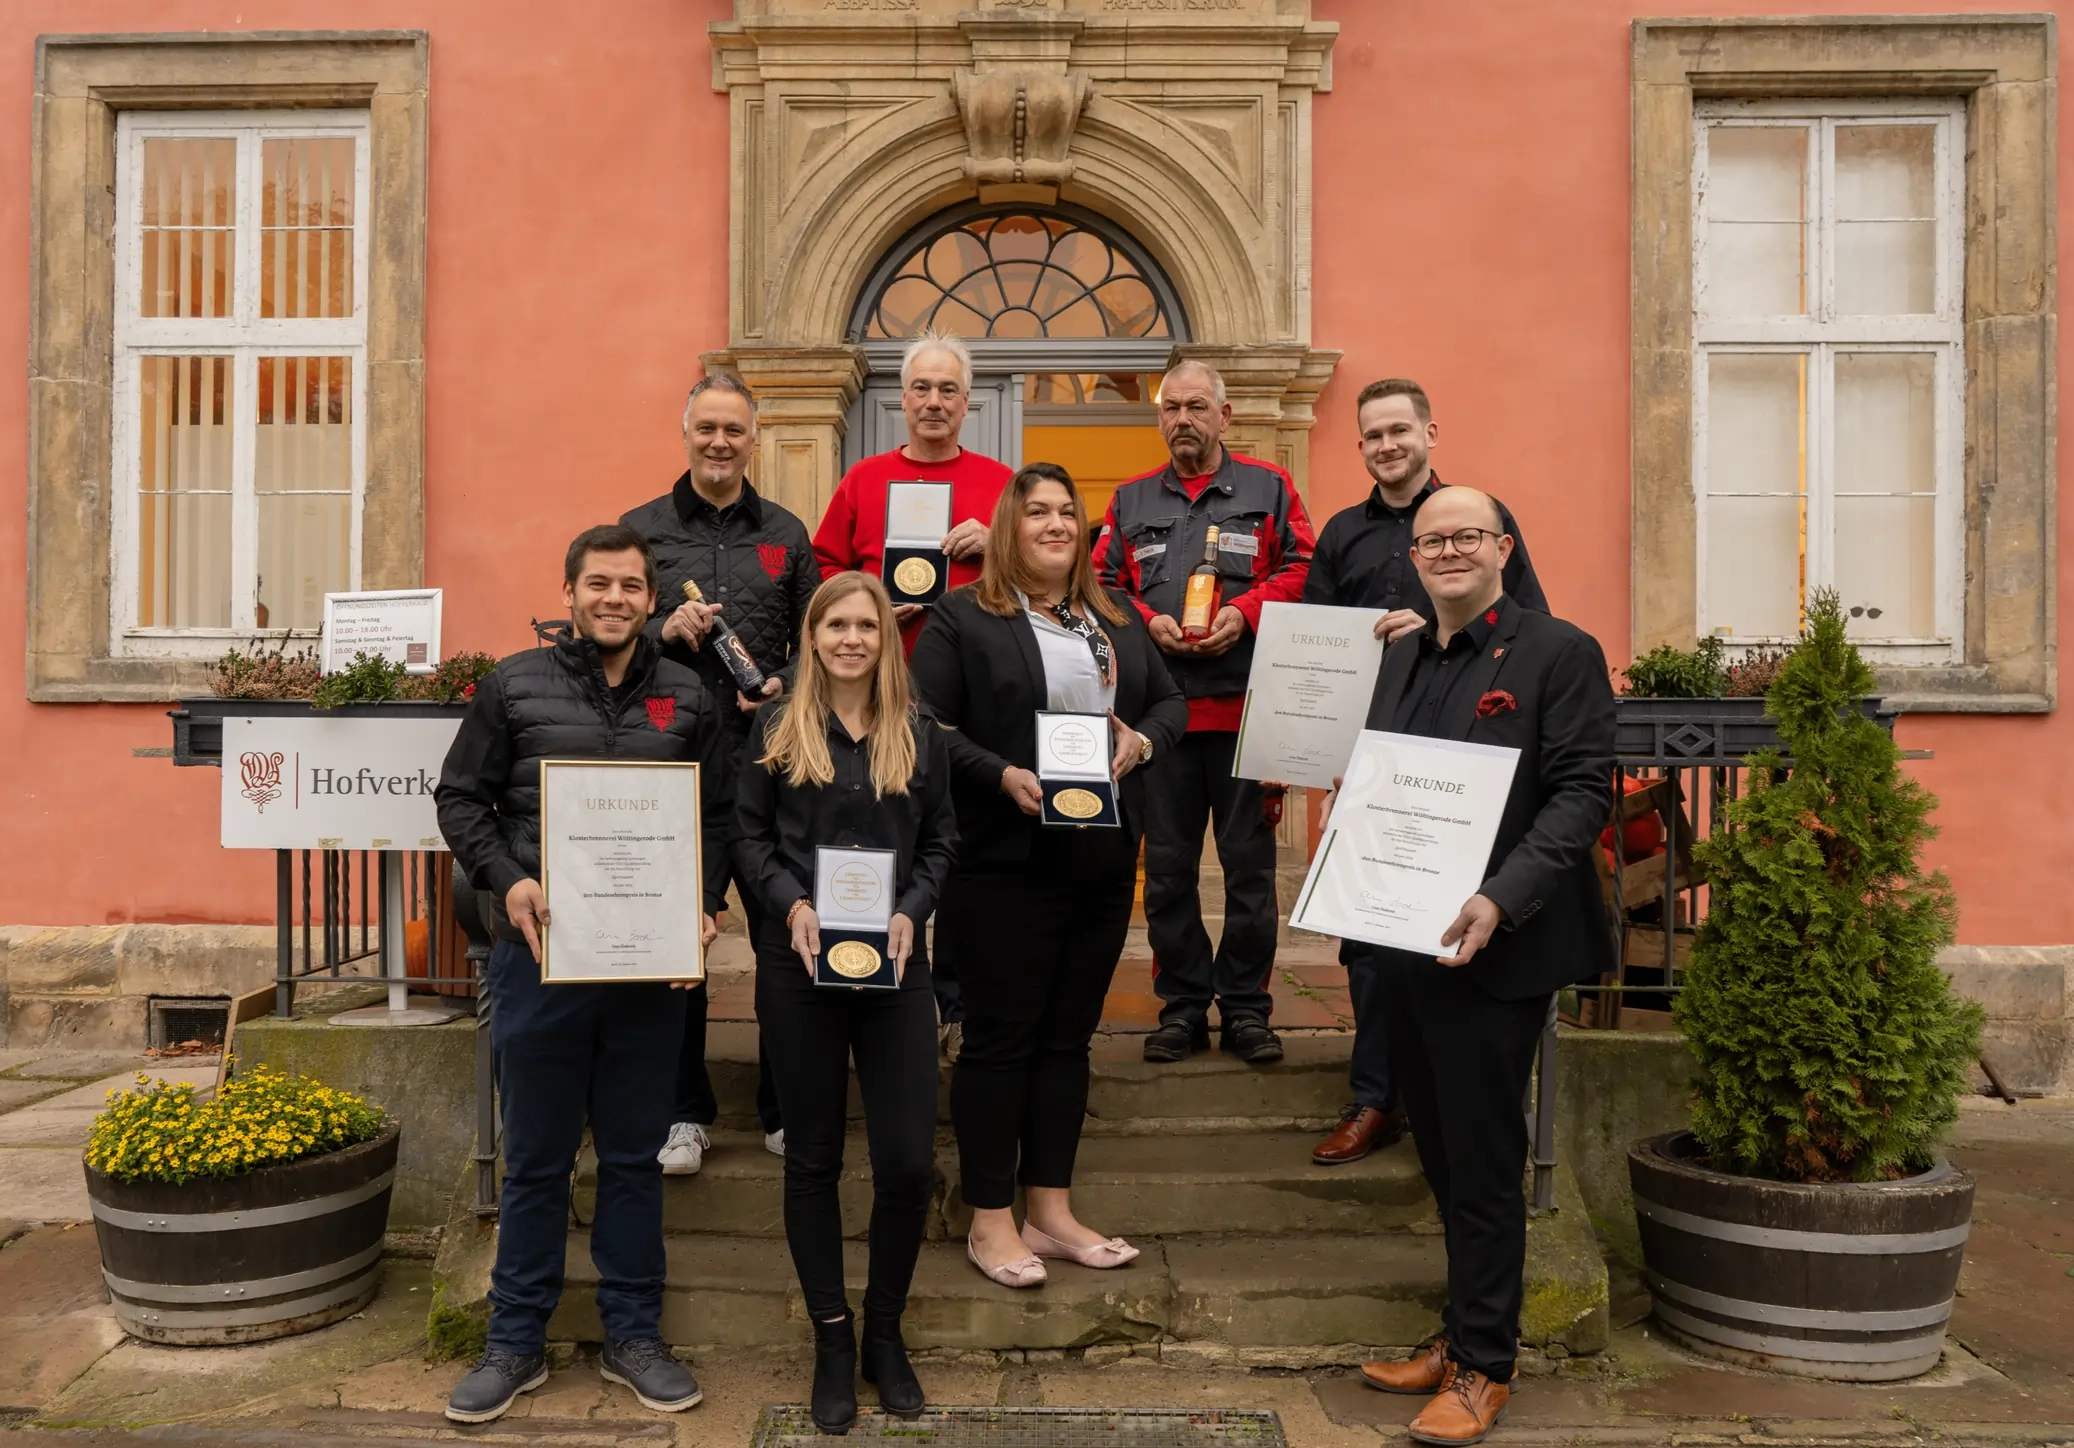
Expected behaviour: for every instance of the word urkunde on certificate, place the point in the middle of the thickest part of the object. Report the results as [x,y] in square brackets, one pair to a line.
[1408,841]
[1307,695]
[619,861]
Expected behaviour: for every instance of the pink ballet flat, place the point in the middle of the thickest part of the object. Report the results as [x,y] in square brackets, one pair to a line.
[1102,1256]
[1022,1272]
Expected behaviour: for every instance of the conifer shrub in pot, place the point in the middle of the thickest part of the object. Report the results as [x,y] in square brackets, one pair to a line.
[255,1214]
[1806,1223]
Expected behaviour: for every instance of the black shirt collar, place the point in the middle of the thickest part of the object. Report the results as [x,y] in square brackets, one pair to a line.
[1473,637]
[1377,508]
[690,503]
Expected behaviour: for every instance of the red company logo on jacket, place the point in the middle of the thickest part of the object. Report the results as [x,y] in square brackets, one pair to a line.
[261,774]
[772,556]
[661,712]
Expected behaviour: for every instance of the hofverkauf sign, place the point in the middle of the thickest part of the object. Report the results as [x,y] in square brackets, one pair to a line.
[309,782]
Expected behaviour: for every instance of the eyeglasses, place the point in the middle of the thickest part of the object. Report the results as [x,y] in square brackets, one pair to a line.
[1466,542]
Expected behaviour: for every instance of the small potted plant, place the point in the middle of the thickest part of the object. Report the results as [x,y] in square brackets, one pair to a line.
[255,1214]
[1806,1223]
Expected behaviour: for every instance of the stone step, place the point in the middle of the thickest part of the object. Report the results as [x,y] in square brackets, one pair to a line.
[1383,1291]
[1130,1185]
[1126,1093]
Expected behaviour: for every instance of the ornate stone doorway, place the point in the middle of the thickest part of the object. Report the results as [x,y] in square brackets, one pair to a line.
[1180,139]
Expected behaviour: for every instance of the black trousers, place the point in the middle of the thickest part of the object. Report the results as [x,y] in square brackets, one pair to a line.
[1184,792]
[1462,1060]
[810,1034]
[567,1053]
[1042,945]
[1368,1072]
[695,1099]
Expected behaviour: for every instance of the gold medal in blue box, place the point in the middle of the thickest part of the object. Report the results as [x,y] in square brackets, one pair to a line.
[853,895]
[914,567]
[1073,764]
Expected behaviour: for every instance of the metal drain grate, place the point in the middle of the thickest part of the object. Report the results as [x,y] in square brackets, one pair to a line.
[793,1427]
[175,1021]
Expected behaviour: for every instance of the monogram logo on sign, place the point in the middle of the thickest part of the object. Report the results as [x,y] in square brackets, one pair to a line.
[661,712]
[772,557]
[261,774]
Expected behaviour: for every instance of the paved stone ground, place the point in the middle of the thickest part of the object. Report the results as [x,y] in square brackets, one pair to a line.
[68,1376]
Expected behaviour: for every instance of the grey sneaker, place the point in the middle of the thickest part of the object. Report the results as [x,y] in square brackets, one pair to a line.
[658,1379]
[685,1151]
[774,1142]
[490,1390]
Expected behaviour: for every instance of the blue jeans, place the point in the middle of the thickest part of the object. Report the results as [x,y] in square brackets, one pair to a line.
[567,1053]
[1368,1073]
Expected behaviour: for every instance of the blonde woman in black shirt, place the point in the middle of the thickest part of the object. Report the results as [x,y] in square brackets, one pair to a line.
[843,761]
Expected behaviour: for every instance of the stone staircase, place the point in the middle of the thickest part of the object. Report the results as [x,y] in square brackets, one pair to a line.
[1249,1251]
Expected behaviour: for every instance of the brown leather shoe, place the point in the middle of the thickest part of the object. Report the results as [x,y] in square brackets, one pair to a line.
[1429,1372]
[1361,1129]
[1462,1412]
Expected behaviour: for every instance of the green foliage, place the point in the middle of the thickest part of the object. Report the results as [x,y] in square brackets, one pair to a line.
[456,1334]
[372,680]
[159,1132]
[1671,673]
[1831,1047]
[260,672]
[369,679]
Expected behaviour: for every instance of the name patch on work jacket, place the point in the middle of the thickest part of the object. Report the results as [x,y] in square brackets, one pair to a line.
[1244,544]
[1149,550]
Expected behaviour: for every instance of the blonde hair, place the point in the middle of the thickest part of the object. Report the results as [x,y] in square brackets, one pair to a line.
[1005,571]
[797,743]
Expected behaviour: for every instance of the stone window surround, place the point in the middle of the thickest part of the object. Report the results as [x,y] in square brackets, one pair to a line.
[82,81]
[2004,67]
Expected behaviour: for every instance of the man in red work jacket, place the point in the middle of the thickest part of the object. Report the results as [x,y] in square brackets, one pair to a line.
[1153,537]
[935,390]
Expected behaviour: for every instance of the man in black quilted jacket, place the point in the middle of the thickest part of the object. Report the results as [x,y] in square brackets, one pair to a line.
[754,563]
[568,1053]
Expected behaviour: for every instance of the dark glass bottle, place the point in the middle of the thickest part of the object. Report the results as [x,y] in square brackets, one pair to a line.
[725,642]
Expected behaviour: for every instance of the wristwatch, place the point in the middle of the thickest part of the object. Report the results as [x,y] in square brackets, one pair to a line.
[1144,750]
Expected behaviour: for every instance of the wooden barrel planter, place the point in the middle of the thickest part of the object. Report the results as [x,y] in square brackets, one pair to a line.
[278,1251]
[1831,1280]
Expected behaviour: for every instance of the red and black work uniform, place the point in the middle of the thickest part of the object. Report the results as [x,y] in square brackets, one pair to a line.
[1364,561]
[1151,539]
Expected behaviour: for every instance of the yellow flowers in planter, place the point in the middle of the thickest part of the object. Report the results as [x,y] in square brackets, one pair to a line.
[158,1132]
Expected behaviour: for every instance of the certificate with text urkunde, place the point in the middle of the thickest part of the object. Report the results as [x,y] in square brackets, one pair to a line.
[619,856]
[1307,695]
[1408,842]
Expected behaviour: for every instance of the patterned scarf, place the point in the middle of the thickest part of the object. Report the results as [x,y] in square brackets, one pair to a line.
[1105,657]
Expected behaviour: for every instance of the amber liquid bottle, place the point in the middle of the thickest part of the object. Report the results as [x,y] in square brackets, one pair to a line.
[1205,594]
[725,642]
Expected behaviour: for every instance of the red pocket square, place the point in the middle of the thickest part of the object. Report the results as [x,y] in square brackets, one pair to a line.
[1495,703]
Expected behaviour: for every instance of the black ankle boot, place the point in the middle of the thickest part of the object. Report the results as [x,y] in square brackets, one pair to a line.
[835,1375]
[886,1367]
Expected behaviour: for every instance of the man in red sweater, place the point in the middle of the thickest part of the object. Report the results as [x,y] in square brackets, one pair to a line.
[1154,536]
[935,390]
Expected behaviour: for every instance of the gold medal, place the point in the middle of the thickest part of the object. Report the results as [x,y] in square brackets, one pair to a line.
[914,576]
[1077,804]
[853,960]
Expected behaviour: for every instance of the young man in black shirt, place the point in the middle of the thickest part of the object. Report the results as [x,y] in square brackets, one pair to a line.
[568,1053]
[1364,560]
[754,563]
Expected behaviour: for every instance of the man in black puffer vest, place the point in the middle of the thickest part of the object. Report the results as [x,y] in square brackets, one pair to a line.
[570,1052]
[755,565]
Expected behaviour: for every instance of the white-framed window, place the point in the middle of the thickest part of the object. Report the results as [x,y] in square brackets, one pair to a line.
[240,374]
[1829,371]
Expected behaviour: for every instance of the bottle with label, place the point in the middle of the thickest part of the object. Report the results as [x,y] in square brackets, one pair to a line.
[1205,594]
[725,642]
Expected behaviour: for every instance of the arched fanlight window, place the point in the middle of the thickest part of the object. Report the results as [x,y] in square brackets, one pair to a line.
[1018,274]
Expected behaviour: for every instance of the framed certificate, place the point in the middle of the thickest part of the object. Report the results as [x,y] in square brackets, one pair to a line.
[1073,769]
[914,566]
[1409,840]
[620,863]
[1307,697]
[853,896]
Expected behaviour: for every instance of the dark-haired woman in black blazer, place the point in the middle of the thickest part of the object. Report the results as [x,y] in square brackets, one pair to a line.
[1036,914]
